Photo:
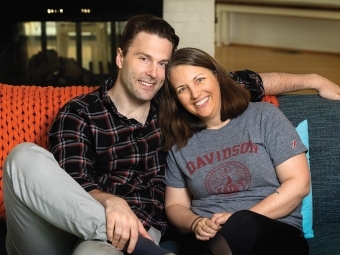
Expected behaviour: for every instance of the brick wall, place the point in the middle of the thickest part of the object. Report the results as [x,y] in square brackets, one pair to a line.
[193,21]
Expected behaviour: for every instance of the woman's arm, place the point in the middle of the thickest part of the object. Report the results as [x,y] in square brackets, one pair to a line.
[294,177]
[177,208]
[277,83]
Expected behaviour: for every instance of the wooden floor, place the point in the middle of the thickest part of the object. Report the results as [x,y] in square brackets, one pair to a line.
[259,59]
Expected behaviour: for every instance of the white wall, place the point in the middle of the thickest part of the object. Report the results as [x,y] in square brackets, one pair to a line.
[193,21]
[285,32]
[331,3]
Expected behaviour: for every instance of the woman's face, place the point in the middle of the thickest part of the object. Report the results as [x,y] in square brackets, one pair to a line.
[198,91]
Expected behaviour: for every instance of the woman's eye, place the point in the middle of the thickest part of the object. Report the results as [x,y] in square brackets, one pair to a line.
[180,90]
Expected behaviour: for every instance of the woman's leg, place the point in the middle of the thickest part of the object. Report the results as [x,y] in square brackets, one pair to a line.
[248,233]
[217,246]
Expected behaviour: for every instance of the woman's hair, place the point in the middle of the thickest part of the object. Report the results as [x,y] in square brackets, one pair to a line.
[177,124]
[149,24]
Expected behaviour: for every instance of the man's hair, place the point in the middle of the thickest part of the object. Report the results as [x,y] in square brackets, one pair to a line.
[149,24]
[177,124]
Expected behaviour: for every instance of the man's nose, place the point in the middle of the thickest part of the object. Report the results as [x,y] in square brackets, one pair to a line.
[152,71]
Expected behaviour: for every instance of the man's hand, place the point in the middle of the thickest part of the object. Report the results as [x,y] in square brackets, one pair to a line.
[328,89]
[122,225]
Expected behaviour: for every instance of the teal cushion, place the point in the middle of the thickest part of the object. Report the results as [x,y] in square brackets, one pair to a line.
[307,202]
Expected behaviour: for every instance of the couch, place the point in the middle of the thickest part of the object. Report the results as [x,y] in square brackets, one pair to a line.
[26,113]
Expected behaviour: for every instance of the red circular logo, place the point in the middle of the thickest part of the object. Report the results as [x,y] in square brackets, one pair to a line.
[228,179]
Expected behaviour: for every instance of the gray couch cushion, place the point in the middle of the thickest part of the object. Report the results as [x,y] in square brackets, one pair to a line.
[324,140]
[326,240]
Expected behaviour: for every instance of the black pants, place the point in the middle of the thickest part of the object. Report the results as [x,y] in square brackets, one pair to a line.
[249,233]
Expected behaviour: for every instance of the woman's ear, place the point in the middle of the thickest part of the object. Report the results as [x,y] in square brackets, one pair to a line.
[215,74]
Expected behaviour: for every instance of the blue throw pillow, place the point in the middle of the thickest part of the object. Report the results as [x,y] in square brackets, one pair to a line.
[307,202]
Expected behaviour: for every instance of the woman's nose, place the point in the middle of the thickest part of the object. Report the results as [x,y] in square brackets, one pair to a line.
[195,92]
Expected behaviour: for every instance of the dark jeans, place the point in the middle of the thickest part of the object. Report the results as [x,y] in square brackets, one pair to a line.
[145,246]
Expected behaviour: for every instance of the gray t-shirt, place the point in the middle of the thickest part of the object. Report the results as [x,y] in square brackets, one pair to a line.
[233,168]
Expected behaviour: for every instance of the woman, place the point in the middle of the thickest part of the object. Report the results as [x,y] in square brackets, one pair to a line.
[237,171]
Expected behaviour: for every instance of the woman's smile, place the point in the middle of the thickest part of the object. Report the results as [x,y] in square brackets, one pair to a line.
[202,102]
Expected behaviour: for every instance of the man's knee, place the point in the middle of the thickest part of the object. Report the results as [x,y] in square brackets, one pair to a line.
[95,247]
[25,150]
[23,157]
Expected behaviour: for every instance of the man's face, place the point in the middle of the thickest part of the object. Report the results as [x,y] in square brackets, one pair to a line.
[142,70]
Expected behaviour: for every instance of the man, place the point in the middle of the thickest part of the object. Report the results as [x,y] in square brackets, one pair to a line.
[103,180]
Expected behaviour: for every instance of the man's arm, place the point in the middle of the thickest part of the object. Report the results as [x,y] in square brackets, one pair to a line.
[122,225]
[278,83]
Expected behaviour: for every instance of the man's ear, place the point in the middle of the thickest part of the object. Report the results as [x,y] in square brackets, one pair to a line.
[119,58]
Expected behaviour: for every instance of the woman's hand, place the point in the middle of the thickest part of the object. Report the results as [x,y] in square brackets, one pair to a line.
[205,229]
[220,218]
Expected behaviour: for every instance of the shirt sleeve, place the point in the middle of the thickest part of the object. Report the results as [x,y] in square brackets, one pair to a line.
[173,175]
[280,137]
[251,81]
[71,143]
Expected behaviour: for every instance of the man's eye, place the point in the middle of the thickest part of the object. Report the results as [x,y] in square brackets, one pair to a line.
[163,64]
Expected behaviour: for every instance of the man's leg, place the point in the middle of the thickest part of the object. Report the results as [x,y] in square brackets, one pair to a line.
[91,247]
[144,246]
[44,205]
